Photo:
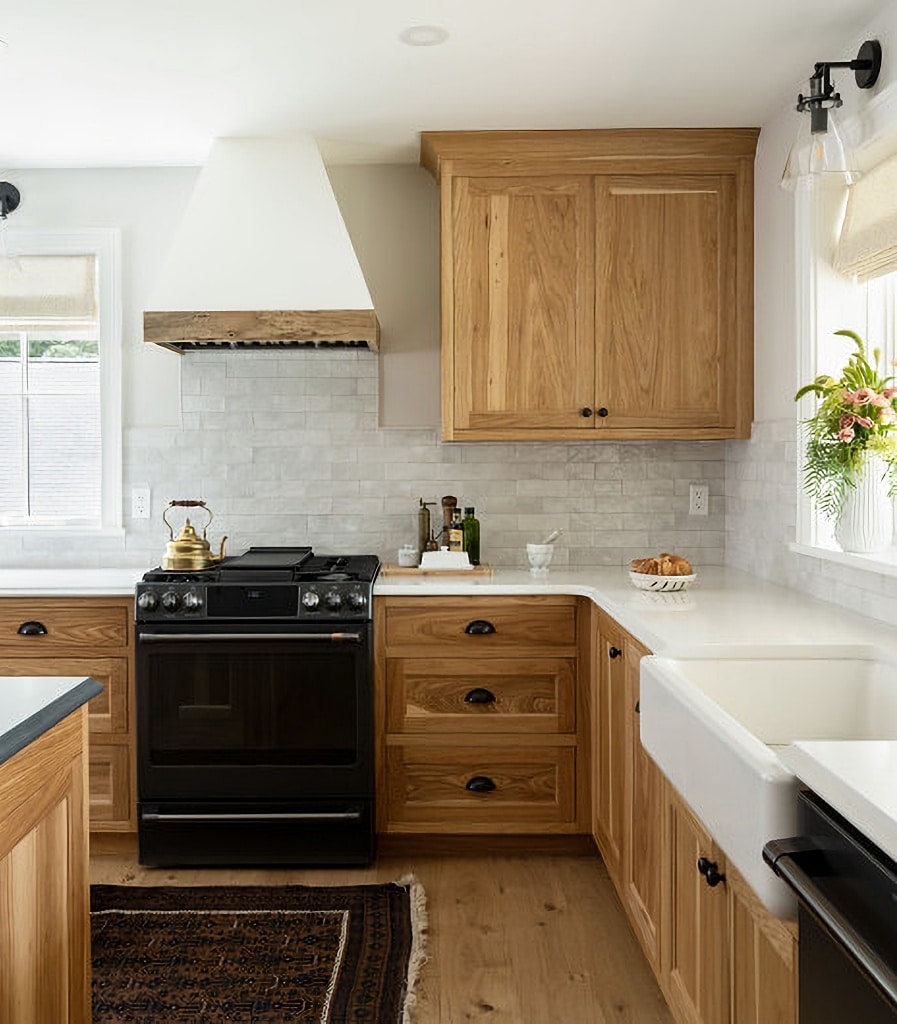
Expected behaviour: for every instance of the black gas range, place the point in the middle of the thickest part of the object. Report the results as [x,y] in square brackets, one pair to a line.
[254,684]
[273,583]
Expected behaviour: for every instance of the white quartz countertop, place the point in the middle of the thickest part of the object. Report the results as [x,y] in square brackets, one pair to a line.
[68,582]
[722,608]
[856,777]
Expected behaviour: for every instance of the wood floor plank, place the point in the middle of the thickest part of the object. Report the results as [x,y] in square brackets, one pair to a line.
[536,939]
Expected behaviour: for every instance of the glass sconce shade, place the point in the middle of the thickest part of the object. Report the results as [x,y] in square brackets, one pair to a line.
[819,155]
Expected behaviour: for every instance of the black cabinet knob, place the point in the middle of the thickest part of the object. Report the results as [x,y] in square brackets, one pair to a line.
[586,412]
[614,652]
[32,628]
[480,695]
[479,627]
[711,872]
[479,784]
[638,707]
[602,412]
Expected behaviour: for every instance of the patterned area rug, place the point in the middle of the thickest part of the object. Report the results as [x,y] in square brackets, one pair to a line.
[259,954]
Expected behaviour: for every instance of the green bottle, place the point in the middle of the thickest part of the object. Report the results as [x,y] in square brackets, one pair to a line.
[471,528]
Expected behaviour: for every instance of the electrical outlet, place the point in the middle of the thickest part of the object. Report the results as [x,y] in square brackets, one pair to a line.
[698,499]
[140,501]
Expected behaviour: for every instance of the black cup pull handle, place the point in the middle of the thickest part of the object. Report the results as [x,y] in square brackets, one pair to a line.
[479,784]
[479,627]
[614,652]
[32,628]
[480,695]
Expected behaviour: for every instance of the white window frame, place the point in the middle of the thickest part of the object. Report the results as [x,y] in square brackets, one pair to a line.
[105,245]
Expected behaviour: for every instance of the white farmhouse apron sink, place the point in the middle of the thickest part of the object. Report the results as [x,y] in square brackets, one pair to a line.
[712,724]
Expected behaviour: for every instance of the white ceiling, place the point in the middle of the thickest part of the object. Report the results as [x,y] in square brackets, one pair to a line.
[145,82]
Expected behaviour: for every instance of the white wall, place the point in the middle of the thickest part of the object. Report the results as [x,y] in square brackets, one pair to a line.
[762,485]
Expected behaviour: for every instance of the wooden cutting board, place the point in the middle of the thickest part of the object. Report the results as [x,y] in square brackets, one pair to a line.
[390,569]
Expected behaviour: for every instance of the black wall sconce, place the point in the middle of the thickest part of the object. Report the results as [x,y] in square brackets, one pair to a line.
[9,199]
[819,148]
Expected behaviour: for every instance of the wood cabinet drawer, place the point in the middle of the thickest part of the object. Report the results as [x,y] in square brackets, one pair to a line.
[111,787]
[59,623]
[481,627]
[463,695]
[480,789]
[108,711]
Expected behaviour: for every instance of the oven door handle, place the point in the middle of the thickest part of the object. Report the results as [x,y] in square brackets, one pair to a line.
[335,637]
[782,856]
[256,816]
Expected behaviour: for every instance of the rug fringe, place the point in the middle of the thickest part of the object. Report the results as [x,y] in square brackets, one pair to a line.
[418,956]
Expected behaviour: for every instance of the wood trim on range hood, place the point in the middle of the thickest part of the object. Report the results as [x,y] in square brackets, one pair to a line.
[261,257]
[190,331]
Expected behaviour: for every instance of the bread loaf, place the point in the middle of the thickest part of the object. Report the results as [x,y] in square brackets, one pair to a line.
[664,564]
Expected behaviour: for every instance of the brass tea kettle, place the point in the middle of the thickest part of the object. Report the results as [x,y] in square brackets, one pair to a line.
[189,550]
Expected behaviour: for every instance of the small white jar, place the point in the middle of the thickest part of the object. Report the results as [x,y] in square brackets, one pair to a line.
[409,556]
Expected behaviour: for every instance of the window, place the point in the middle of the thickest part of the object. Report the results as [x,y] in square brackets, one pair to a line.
[863,244]
[60,406]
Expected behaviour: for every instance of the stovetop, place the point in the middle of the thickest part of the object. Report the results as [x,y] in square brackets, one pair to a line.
[262,583]
[260,564]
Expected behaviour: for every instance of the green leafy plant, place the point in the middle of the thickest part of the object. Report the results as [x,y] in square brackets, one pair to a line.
[856,418]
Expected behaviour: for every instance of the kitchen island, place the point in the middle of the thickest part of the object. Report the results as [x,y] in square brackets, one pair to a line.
[45,923]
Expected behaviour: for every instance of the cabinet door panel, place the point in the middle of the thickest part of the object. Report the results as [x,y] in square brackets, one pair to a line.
[609,730]
[522,303]
[698,958]
[665,314]
[645,845]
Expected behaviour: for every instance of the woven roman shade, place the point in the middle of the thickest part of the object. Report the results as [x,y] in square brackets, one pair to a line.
[48,292]
[867,247]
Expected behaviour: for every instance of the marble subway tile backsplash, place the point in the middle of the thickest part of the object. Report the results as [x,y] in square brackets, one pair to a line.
[286,449]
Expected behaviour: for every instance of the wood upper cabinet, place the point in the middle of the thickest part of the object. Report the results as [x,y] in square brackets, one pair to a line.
[522,289]
[86,636]
[596,284]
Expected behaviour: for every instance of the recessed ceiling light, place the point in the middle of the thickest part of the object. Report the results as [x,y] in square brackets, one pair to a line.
[423,35]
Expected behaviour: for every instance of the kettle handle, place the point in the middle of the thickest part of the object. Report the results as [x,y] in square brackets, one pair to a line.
[186,503]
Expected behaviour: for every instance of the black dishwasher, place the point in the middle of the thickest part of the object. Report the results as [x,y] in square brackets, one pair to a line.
[847,914]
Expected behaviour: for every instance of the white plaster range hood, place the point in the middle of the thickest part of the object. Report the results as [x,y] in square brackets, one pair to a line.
[262,257]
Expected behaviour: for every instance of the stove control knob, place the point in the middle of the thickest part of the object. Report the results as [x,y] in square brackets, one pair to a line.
[311,599]
[357,599]
[170,601]
[334,600]
[192,601]
[148,601]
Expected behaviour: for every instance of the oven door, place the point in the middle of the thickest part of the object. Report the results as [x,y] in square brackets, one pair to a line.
[254,711]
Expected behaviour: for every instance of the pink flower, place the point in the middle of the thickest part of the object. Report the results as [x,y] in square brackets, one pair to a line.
[879,401]
[862,396]
[889,392]
[845,435]
[847,420]
[864,421]
[887,416]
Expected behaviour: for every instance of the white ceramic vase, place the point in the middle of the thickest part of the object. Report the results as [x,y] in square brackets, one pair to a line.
[866,523]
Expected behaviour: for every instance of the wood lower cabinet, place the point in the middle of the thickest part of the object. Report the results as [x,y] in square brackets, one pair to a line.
[696,967]
[44,911]
[596,284]
[87,636]
[609,734]
[645,801]
[479,715]
[719,956]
